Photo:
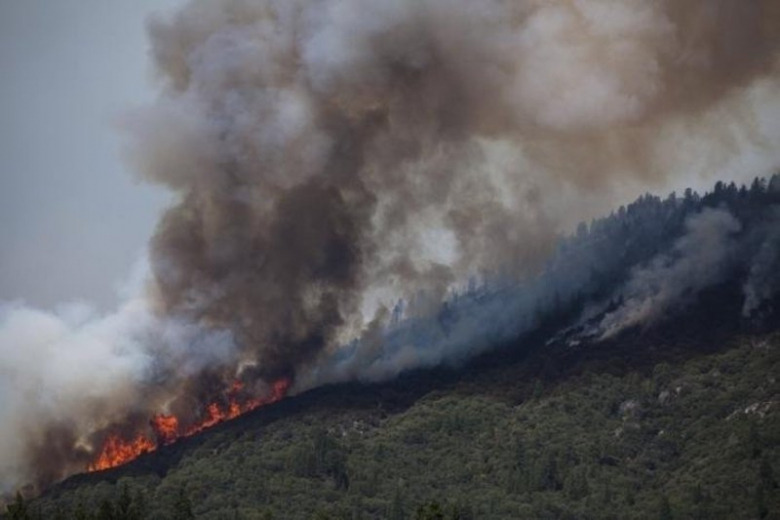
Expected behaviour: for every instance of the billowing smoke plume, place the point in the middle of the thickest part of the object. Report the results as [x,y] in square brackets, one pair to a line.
[334,157]
[329,153]
[69,373]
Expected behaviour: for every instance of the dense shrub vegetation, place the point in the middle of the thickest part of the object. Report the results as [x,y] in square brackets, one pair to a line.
[691,436]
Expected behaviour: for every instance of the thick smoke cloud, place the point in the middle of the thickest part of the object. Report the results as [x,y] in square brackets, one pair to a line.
[69,373]
[54,366]
[333,157]
[317,147]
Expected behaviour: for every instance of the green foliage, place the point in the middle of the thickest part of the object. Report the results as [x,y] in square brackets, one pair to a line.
[435,511]
[106,511]
[665,509]
[679,435]
[432,511]
[80,512]
[182,508]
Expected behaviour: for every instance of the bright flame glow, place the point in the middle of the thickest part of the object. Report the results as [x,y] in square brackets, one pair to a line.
[117,451]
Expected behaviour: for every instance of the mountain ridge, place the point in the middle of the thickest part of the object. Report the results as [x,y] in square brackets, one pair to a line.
[674,346]
[560,351]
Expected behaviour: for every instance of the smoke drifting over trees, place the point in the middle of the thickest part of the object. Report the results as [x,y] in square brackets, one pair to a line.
[332,158]
[632,269]
[697,260]
[320,148]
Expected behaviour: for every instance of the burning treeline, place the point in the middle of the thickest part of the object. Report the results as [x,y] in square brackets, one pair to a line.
[167,428]
[332,157]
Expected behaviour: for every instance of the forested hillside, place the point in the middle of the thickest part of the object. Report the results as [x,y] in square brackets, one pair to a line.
[633,268]
[685,430]
[635,377]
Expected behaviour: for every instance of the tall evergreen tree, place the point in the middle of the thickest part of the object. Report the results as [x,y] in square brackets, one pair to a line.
[182,508]
[18,510]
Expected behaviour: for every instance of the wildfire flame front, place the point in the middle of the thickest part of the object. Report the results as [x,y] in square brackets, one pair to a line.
[117,450]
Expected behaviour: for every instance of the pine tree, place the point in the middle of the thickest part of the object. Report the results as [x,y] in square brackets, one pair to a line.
[432,511]
[123,509]
[80,512]
[106,511]
[518,476]
[759,501]
[548,476]
[766,475]
[59,514]
[396,510]
[665,509]
[182,508]
[18,510]
[140,507]
[754,441]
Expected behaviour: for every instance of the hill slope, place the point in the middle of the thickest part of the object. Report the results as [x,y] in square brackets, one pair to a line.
[636,377]
[599,433]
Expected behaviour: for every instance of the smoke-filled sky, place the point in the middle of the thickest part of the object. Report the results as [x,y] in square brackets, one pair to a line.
[325,159]
[73,218]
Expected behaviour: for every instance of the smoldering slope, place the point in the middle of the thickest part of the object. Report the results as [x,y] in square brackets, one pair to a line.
[631,270]
[333,157]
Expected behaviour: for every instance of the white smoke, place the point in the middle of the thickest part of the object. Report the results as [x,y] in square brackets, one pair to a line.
[763,283]
[75,371]
[493,126]
[670,281]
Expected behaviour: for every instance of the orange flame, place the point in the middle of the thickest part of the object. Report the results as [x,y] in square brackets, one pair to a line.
[167,429]
[117,451]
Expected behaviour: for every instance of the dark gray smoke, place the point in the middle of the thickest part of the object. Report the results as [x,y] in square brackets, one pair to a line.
[328,153]
[333,157]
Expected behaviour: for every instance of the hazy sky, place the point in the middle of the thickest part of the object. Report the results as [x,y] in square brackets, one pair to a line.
[74,219]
